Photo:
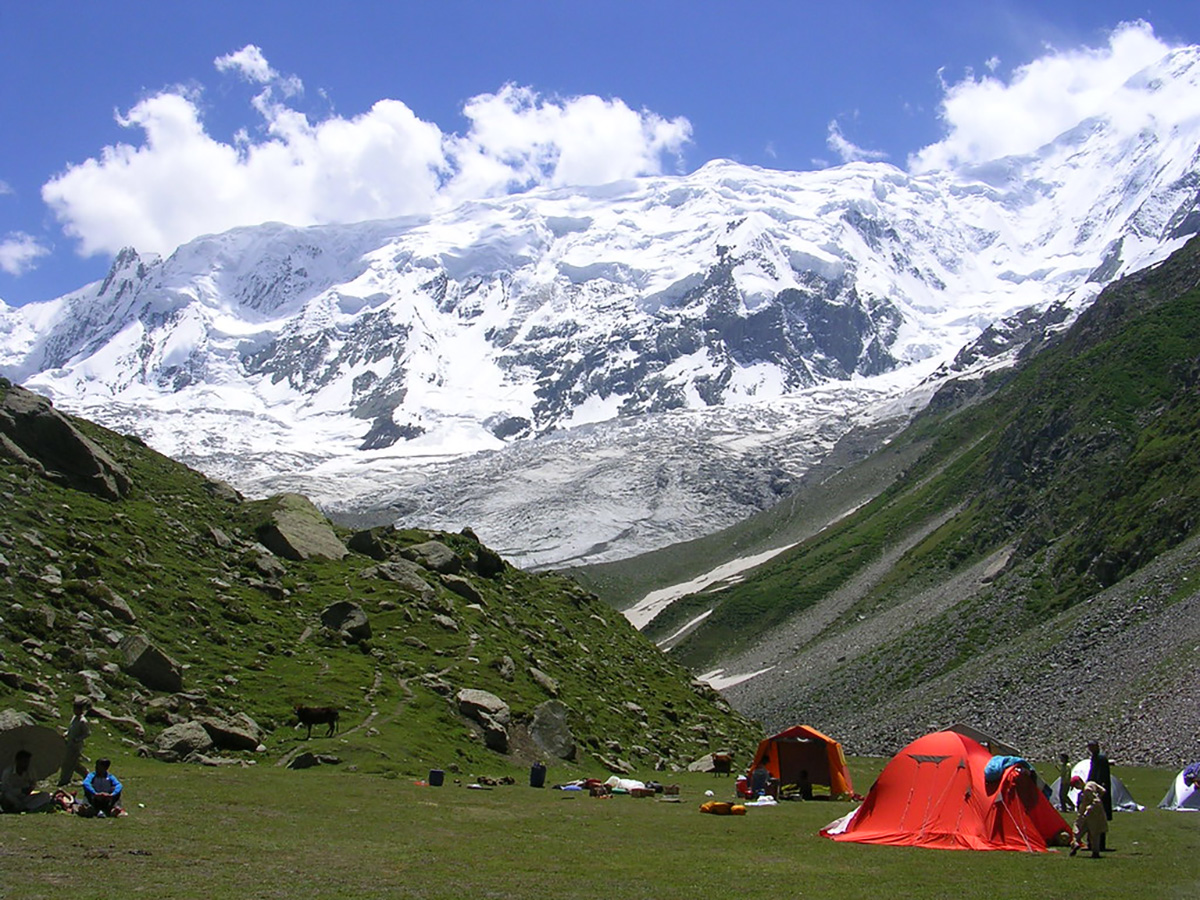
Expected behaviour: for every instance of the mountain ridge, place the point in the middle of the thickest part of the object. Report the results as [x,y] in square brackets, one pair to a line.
[357,352]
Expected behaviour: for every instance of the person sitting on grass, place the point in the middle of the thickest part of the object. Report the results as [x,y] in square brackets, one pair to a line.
[102,791]
[17,787]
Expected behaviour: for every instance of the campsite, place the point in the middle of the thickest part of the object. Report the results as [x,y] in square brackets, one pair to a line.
[219,834]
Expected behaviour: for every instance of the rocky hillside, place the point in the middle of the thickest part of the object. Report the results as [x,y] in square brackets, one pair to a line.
[195,621]
[1023,557]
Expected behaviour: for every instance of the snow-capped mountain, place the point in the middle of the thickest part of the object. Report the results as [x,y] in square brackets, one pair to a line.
[580,374]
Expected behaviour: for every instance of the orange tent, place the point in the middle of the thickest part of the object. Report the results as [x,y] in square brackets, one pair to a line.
[801,749]
[933,794]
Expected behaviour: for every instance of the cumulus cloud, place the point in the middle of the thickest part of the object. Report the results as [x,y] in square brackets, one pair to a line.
[19,252]
[518,139]
[846,150]
[248,62]
[990,117]
[179,182]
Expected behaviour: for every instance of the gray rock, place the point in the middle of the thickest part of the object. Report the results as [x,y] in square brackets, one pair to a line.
[434,555]
[220,538]
[347,618]
[444,622]
[544,681]
[180,741]
[495,735]
[11,718]
[238,732]
[35,434]
[474,703]
[299,531]
[505,666]
[550,730]
[151,666]
[106,598]
[404,573]
[463,588]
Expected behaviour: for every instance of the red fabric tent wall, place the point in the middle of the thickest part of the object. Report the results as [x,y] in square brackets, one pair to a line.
[804,749]
[932,794]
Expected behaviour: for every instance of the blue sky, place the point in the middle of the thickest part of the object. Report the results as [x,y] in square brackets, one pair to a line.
[148,123]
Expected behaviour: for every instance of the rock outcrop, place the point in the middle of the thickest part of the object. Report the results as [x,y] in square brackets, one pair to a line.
[35,434]
[299,531]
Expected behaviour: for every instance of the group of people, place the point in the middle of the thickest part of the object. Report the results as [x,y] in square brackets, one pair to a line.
[1093,805]
[101,788]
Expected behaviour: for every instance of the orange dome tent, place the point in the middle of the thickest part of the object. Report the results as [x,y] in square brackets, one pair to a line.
[801,749]
[933,794]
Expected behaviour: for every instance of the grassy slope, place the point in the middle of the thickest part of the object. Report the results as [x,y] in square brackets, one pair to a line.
[251,833]
[259,651]
[1086,463]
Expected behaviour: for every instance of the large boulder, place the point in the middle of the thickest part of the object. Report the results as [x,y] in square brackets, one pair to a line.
[551,732]
[298,530]
[406,575]
[35,434]
[348,619]
[434,555]
[490,713]
[238,732]
[151,666]
[181,741]
[473,703]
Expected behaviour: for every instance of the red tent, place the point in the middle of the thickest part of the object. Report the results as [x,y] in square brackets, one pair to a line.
[802,751]
[933,794]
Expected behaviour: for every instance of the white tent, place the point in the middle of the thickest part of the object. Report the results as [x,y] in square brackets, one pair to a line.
[1181,795]
[1121,798]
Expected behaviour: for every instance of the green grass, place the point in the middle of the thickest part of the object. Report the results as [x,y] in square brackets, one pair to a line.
[266,832]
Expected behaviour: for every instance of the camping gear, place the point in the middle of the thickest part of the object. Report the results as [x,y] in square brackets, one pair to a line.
[537,775]
[1121,798]
[436,777]
[802,749]
[45,745]
[933,794]
[1182,795]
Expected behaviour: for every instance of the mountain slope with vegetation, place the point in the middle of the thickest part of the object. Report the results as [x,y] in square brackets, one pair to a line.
[1032,569]
[170,601]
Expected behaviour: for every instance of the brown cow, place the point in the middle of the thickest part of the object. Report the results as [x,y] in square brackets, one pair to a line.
[317,715]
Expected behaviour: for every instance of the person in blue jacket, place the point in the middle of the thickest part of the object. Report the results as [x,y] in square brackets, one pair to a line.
[102,790]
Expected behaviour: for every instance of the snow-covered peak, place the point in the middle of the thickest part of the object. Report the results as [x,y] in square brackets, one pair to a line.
[482,327]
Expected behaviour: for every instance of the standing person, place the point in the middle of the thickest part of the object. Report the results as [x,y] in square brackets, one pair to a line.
[78,731]
[1100,774]
[1090,820]
[102,790]
[1064,783]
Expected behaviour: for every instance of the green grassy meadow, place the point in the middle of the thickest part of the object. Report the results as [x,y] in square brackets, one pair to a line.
[266,832]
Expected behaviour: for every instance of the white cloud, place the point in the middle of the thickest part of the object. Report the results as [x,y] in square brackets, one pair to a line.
[248,62]
[990,117]
[5,188]
[846,149]
[19,252]
[517,140]
[179,182]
